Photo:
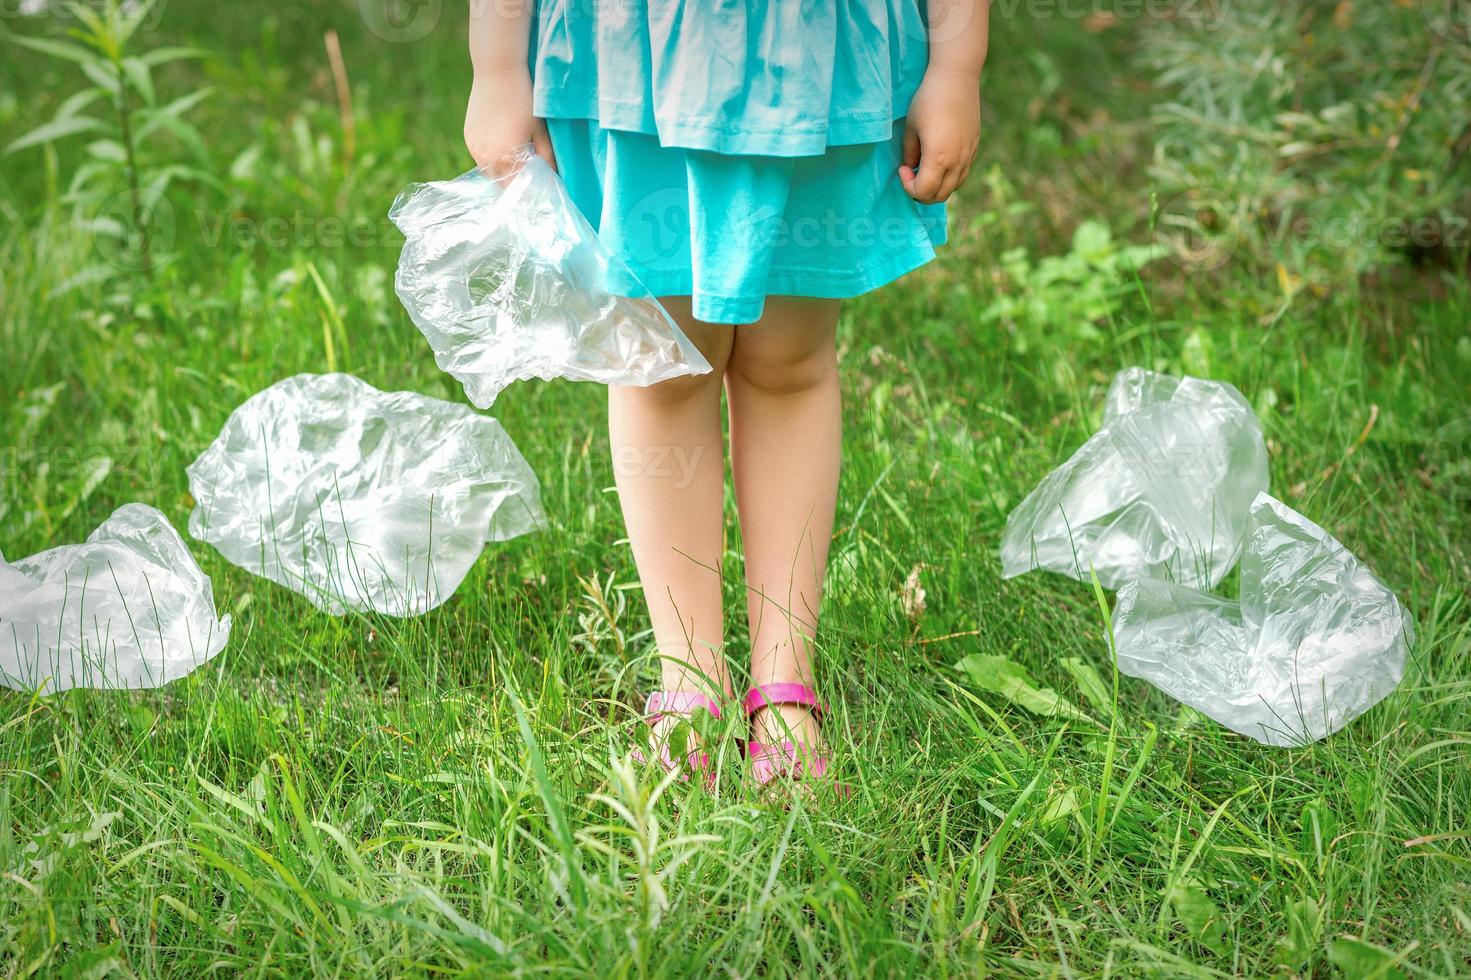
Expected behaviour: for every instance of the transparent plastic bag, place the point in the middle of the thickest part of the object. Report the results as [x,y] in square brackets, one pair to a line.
[507,281]
[130,608]
[1315,641]
[359,498]
[1161,490]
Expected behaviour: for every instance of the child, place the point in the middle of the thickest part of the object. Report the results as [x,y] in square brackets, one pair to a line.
[754,162]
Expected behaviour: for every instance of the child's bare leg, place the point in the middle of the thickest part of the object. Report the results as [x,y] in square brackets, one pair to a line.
[669,463]
[786,443]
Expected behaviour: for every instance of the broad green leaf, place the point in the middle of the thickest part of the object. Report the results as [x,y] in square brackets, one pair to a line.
[184,103]
[57,49]
[185,133]
[104,75]
[109,150]
[181,172]
[165,55]
[1304,932]
[1199,915]
[77,102]
[1363,961]
[55,130]
[105,225]
[1319,826]
[243,166]
[1061,805]
[1086,676]
[157,187]
[1092,238]
[91,184]
[1005,677]
[1138,256]
[141,79]
[99,34]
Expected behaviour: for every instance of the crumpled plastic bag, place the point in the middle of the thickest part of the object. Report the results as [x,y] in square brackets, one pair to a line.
[1315,641]
[508,281]
[1161,490]
[130,608]
[359,498]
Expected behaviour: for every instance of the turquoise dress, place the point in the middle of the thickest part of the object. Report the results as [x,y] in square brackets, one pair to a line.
[730,150]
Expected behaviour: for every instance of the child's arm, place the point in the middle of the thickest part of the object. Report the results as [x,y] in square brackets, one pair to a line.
[944,122]
[499,116]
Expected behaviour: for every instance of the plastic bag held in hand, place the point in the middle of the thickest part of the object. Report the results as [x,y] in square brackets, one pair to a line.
[359,498]
[1162,489]
[1315,641]
[129,608]
[508,281]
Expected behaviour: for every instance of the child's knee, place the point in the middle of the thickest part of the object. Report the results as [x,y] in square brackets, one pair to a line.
[685,388]
[783,372]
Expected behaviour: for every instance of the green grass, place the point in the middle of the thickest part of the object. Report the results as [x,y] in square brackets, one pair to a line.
[445,794]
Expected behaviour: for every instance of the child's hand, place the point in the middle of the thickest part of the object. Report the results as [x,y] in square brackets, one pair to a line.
[943,131]
[499,119]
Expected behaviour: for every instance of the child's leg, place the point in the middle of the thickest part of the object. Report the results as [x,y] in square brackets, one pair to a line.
[669,463]
[786,434]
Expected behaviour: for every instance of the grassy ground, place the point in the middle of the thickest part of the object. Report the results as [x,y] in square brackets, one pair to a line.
[364,795]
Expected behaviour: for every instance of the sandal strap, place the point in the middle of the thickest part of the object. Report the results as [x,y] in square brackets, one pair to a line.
[786,758]
[663,703]
[771,695]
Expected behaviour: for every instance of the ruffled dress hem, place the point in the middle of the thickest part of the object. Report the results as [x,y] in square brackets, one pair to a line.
[711,133]
[817,283]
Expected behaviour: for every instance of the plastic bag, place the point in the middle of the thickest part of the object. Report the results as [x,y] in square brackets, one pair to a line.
[1315,641]
[129,608]
[1161,490]
[359,498]
[508,281]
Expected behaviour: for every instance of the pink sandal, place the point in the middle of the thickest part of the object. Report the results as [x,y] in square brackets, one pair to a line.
[683,704]
[787,759]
